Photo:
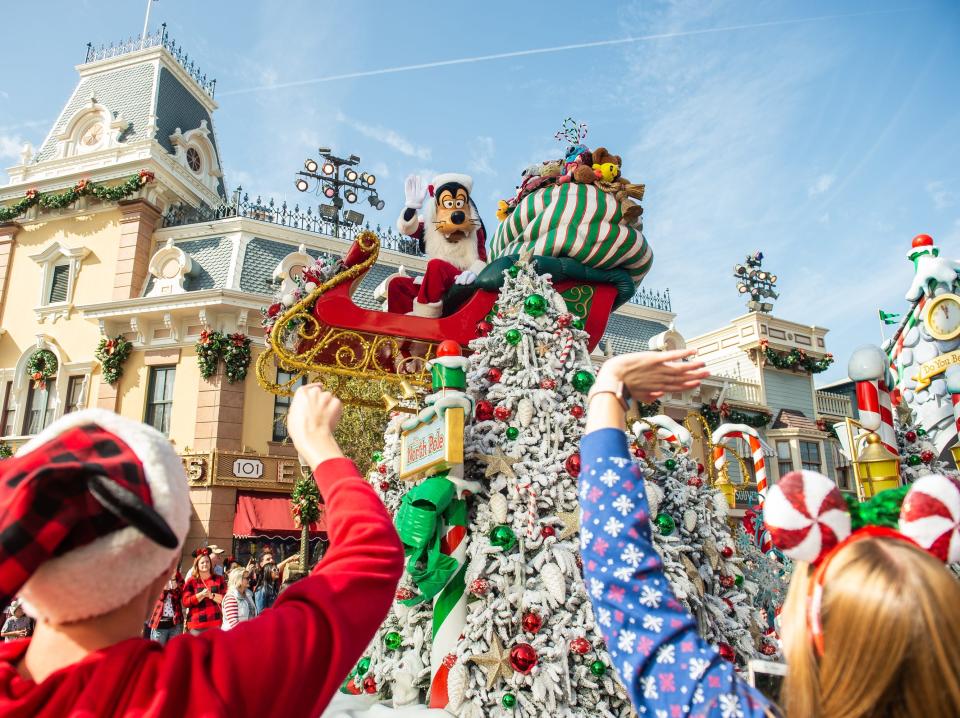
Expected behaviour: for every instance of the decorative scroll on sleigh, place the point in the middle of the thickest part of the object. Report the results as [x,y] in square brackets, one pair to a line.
[326,334]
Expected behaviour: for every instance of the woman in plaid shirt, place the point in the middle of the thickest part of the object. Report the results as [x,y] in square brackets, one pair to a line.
[202,595]
[167,618]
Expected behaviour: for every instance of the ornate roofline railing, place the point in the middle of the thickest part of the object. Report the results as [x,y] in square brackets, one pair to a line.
[285,216]
[652,299]
[155,39]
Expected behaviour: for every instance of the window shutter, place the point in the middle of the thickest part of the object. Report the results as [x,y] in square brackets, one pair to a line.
[58,285]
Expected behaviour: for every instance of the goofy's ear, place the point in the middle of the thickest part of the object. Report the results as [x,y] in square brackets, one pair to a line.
[122,502]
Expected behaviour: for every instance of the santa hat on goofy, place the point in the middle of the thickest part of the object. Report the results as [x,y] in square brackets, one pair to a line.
[92,511]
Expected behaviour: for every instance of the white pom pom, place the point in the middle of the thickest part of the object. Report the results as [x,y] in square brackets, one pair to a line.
[555,582]
[309,286]
[525,412]
[288,300]
[498,507]
[654,497]
[689,519]
[456,685]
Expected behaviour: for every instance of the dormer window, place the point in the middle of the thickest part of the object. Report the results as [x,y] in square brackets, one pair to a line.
[194,161]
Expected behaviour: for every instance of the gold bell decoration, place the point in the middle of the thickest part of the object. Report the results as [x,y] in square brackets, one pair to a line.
[392,403]
[875,467]
[955,450]
[406,390]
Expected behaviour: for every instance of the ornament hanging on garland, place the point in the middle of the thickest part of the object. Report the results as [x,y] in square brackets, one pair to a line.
[42,367]
[494,375]
[112,353]
[392,641]
[83,188]
[484,410]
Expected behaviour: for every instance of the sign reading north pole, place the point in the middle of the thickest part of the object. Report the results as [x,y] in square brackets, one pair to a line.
[432,446]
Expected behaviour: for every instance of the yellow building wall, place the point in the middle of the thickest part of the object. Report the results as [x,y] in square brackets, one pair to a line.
[257,409]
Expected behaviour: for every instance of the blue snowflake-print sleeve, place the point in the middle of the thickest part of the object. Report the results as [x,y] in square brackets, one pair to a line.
[669,670]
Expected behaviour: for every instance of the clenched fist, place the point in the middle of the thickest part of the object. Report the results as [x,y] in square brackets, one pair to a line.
[311,421]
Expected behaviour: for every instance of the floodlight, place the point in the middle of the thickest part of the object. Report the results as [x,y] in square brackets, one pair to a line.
[323,150]
[370,179]
[329,191]
[310,165]
[742,288]
[352,217]
[351,196]
[328,168]
[351,175]
[302,185]
[328,211]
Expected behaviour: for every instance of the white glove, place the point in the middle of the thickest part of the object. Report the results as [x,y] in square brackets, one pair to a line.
[467,277]
[414,191]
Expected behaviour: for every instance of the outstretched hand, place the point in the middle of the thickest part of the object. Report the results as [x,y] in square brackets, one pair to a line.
[414,191]
[650,375]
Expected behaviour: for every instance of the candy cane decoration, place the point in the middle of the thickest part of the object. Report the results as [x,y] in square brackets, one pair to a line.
[667,429]
[726,432]
[876,411]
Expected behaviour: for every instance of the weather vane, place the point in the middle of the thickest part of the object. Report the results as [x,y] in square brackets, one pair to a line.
[755,282]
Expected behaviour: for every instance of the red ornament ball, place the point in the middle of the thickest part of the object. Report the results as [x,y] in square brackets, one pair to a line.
[403,594]
[369,684]
[565,320]
[726,551]
[494,374]
[727,581]
[726,651]
[484,328]
[382,468]
[502,413]
[695,481]
[768,649]
[580,646]
[576,411]
[384,485]
[911,436]
[572,465]
[523,657]
[449,348]
[548,384]
[484,410]
[926,456]
[729,604]
[639,452]
[479,587]
[548,531]
[450,660]
[532,623]
[579,559]
[700,468]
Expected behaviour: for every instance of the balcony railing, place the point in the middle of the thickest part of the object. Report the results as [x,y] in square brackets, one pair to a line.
[652,299]
[156,39]
[834,404]
[745,392]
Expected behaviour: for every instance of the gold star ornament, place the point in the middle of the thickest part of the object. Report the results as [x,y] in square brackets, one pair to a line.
[498,463]
[571,523]
[495,662]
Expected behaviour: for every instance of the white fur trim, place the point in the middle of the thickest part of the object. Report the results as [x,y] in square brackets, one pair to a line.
[445,177]
[105,574]
[431,310]
[409,227]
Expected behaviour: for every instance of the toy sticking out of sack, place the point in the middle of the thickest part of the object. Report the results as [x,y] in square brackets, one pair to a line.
[578,206]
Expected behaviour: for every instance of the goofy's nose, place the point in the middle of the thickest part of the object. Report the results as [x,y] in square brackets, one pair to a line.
[458,217]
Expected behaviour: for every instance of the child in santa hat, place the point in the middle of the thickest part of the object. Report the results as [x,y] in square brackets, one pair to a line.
[93,514]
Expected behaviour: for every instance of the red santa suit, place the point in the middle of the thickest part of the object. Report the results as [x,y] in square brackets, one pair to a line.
[287,662]
[448,262]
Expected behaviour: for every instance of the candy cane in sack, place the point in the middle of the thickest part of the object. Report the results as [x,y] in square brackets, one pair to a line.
[876,411]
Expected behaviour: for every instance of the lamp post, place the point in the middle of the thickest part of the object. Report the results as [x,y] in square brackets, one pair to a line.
[875,467]
[756,282]
[338,180]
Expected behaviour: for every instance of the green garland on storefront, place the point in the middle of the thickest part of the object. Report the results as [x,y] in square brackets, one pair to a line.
[305,501]
[233,350]
[796,360]
[209,350]
[83,188]
[236,357]
[716,415]
[112,353]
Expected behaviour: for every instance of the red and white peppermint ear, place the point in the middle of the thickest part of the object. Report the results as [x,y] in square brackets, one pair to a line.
[930,515]
[806,515]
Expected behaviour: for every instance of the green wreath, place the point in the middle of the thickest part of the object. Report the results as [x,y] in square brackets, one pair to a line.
[209,350]
[305,501]
[112,353]
[42,367]
[236,357]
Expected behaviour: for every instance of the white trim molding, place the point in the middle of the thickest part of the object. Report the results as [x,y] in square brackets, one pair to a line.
[53,256]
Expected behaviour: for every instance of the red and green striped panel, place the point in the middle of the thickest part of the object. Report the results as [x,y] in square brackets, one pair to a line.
[577,221]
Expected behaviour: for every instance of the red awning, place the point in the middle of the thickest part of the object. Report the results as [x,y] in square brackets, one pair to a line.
[262,514]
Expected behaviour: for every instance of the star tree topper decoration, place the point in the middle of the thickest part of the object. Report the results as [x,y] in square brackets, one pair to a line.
[496,662]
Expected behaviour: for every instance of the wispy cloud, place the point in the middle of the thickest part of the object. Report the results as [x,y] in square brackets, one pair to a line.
[942,196]
[823,183]
[481,152]
[10,146]
[386,136]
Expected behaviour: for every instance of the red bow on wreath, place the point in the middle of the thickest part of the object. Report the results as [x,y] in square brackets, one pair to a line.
[31,193]
[146,176]
[204,337]
[724,410]
[82,185]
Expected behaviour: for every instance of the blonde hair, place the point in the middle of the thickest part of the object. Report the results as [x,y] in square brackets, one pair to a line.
[891,636]
[236,575]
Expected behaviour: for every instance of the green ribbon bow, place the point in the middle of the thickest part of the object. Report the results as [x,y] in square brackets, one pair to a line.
[424,513]
[882,510]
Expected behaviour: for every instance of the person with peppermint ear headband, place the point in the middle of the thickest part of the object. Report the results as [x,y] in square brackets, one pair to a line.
[93,515]
[869,625]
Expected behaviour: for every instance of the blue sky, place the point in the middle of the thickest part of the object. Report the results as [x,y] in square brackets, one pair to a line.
[824,133]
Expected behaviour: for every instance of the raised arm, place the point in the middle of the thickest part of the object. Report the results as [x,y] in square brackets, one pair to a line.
[319,627]
[652,639]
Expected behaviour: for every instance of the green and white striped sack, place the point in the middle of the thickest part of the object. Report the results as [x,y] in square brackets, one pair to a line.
[577,221]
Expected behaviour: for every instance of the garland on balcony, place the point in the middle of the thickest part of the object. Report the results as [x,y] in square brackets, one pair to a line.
[112,353]
[795,359]
[42,367]
[651,409]
[5,451]
[715,415]
[305,501]
[236,357]
[83,188]
[209,350]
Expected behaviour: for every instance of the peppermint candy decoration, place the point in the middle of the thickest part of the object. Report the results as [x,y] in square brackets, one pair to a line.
[930,515]
[806,515]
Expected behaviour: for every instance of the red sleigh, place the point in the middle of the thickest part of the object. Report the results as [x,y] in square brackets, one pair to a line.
[326,333]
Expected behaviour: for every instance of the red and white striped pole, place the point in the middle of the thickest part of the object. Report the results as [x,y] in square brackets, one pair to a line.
[876,411]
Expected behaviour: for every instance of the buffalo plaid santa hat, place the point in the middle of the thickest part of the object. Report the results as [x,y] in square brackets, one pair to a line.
[466,181]
[92,510]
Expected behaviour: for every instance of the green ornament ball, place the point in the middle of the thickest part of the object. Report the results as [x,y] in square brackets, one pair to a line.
[363,666]
[490,317]
[377,457]
[512,433]
[598,668]
[513,336]
[578,323]
[535,305]
[738,579]
[583,380]
[392,641]
[665,524]
[514,270]
[670,464]
[913,460]
[509,700]
[503,536]
[921,432]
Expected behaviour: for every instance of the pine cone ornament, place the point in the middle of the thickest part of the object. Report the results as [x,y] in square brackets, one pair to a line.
[689,519]
[525,412]
[498,507]
[456,685]
[555,582]
[654,497]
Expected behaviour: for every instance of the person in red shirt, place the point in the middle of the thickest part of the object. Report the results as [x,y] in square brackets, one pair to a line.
[93,514]
[202,595]
[166,621]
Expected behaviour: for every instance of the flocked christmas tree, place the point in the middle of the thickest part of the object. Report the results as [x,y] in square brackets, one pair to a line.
[531,645]
[691,534]
[918,455]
